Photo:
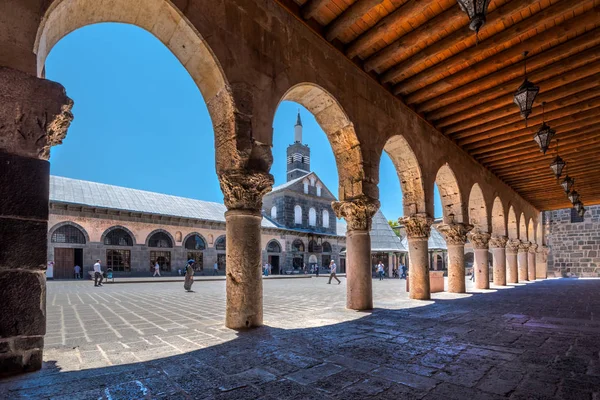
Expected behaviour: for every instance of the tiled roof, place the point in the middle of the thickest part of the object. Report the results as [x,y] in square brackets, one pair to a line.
[383,237]
[288,184]
[435,242]
[92,194]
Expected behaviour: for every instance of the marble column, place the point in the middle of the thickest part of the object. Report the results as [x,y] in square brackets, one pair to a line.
[531,267]
[418,227]
[34,115]
[512,247]
[498,246]
[541,262]
[455,235]
[480,240]
[358,214]
[243,191]
[523,261]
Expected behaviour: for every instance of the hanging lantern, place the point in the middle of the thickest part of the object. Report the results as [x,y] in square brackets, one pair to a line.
[574,198]
[476,10]
[581,211]
[578,205]
[526,93]
[557,164]
[567,184]
[544,135]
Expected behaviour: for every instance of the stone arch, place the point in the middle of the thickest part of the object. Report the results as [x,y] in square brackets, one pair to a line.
[522,228]
[189,235]
[449,193]
[61,224]
[498,218]
[112,228]
[221,243]
[334,121]
[539,233]
[478,215]
[165,21]
[531,231]
[513,224]
[409,172]
[162,231]
[273,246]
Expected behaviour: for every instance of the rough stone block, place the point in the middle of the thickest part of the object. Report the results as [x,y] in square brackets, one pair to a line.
[23,299]
[28,244]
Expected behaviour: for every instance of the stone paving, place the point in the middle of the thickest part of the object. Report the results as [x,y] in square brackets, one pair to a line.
[154,341]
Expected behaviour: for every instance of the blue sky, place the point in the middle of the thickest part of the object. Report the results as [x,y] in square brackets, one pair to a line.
[141,122]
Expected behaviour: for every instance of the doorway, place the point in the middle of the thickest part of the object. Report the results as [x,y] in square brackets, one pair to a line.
[65,261]
[274,261]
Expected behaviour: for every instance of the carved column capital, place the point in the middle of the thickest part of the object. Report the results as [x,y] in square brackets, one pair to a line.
[34,114]
[524,247]
[498,242]
[357,212]
[478,238]
[533,248]
[512,246]
[244,190]
[454,233]
[543,252]
[418,226]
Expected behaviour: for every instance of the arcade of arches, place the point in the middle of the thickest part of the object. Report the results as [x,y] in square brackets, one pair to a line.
[245,65]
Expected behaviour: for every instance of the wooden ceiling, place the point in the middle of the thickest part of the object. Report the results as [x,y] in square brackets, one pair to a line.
[423,52]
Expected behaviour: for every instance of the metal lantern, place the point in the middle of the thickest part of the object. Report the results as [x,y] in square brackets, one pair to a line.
[574,197]
[567,184]
[578,205]
[544,135]
[526,94]
[476,10]
[557,166]
[581,211]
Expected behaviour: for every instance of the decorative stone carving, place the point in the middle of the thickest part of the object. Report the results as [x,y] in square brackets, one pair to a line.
[478,238]
[418,226]
[543,251]
[357,212]
[533,248]
[244,190]
[498,242]
[34,114]
[512,246]
[454,233]
[524,247]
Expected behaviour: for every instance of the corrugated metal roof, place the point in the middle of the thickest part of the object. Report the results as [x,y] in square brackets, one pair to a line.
[436,241]
[288,184]
[92,194]
[383,237]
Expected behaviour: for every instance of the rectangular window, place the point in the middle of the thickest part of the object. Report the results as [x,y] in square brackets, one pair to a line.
[575,216]
[163,258]
[118,260]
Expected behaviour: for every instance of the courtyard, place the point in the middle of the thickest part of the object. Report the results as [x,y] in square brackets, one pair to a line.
[155,341]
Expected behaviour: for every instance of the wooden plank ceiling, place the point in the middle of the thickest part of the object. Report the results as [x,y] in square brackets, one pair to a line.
[423,52]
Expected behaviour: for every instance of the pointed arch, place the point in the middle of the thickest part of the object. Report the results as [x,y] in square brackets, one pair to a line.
[52,231]
[498,218]
[449,193]
[539,232]
[530,231]
[522,227]
[409,172]
[478,215]
[513,224]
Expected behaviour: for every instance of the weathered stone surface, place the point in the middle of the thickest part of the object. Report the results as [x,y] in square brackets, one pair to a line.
[23,299]
[22,234]
[454,233]
[357,212]
[498,242]
[244,190]
[418,226]
[479,238]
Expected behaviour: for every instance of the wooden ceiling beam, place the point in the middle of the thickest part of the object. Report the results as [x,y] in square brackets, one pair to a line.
[389,24]
[405,69]
[569,59]
[312,7]
[580,90]
[427,84]
[352,14]
[438,25]
[542,165]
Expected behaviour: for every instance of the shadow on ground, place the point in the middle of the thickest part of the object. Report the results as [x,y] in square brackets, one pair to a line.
[535,341]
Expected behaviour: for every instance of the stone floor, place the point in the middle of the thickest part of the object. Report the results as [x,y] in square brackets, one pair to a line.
[154,341]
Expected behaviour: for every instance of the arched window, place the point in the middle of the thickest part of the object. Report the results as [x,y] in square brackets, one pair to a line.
[312,217]
[305,183]
[298,245]
[313,247]
[220,243]
[325,219]
[195,242]
[297,214]
[274,247]
[326,247]
[118,237]
[274,212]
[312,181]
[68,234]
[319,187]
[160,239]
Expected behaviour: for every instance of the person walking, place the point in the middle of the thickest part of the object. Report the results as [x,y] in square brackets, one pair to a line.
[380,271]
[266,269]
[473,274]
[317,270]
[216,269]
[332,271]
[77,272]
[189,276]
[156,269]
[403,267]
[98,274]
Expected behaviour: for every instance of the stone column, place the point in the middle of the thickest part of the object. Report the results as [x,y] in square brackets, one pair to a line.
[541,263]
[480,239]
[531,267]
[243,192]
[455,235]
[358,213]
[418,228]
[34,115]
[512,247]
[498,246]
[523,258]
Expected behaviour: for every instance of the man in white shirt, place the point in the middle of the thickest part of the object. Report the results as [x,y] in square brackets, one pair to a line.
[156,269]
[215,269]
[98,274]
[332,271]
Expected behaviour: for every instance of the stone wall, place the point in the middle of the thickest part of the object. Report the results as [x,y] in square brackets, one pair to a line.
[574,246]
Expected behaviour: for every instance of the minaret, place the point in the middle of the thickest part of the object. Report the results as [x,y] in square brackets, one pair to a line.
[298,154]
